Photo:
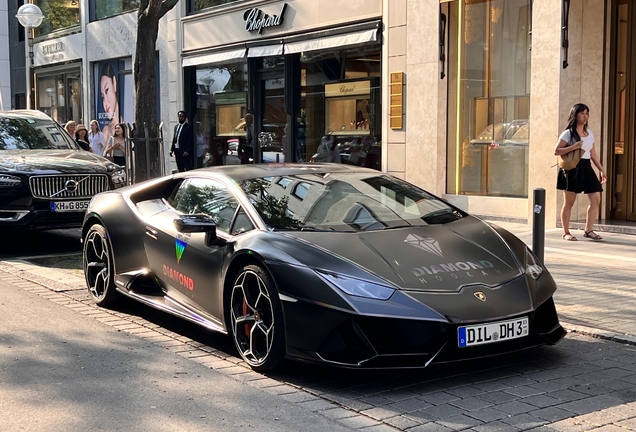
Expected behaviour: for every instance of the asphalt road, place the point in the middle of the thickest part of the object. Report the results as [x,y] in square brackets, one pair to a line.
[64,371]
[17,244]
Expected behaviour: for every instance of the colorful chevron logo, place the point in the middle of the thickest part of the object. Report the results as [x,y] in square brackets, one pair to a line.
[180,246]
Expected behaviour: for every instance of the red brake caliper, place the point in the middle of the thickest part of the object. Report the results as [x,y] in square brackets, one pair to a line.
[246,310]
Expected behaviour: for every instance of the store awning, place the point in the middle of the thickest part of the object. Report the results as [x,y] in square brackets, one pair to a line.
[214,58]
[265,50]
[332,42]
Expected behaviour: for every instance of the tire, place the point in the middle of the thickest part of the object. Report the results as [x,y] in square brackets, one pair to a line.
[256,319]
[99,270]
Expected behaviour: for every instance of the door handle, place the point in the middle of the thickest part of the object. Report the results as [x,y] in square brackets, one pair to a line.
[152,233]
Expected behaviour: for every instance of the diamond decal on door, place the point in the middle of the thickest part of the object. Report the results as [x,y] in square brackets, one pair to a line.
[428,244]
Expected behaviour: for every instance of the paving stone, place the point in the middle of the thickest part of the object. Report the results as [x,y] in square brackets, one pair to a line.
[515,407]
[430,427]
[459,422]
[499,397]
[496,426]
[358,421]
[402,422]
[552,414]
[592,404]
[465,391]
[524,421]
[438,398]
[487,414]
[409,405]
[471,403]
[436,412]
[541,401]
[523,391]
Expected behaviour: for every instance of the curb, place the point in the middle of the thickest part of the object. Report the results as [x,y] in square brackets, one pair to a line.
[600,334]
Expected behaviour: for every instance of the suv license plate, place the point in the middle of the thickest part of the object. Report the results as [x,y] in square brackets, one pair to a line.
[492,332]
[69,206]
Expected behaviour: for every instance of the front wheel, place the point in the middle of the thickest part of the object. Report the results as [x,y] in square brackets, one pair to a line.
[256,319]
[99,270]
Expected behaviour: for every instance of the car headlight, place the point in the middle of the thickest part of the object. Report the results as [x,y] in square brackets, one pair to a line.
[117,174]
[9,180]
[534,269]
[358,287]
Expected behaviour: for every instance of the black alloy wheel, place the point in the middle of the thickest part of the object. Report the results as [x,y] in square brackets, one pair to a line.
[256,319]
[98,267]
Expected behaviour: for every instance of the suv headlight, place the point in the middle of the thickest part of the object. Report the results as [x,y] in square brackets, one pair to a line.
[357,287]
[117,174]
[534,269]
[9,181]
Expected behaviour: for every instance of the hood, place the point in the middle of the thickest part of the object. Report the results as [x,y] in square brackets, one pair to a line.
[428,258]
[52,162]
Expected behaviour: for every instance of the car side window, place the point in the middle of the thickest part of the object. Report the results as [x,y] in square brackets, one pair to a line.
[207,196]
[242,223]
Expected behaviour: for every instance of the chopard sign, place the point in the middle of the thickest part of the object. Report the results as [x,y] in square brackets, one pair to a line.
[256,20]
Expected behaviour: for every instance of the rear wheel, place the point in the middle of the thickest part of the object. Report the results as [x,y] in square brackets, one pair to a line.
[256,319]
[98,267]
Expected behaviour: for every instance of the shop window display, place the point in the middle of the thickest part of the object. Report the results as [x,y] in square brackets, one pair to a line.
[221,99]
[339,118]
[489,97]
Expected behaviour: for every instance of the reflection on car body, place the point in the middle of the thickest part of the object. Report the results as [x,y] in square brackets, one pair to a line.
[325,263]
[46,180]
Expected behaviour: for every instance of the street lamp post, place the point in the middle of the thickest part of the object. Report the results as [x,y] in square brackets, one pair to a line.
[30,16]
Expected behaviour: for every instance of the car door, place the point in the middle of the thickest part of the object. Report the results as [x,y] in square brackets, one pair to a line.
[194,271]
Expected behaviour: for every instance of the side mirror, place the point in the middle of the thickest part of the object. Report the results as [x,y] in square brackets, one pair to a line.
[193,223]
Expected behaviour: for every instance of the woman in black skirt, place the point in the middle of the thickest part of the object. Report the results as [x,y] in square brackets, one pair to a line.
[582,178]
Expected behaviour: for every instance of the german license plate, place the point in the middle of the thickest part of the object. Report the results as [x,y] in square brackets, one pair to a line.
[492,332]
[69,206]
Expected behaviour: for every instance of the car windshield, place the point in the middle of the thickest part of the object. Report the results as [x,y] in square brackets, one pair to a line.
[25,133]
[349,202]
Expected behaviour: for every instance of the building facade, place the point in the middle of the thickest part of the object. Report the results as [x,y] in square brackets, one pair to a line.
[83,60]
[465,98]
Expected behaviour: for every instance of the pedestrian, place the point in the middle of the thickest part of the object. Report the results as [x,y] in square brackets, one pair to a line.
[246,146]
[96,138]
[81,137]
[70,128]
[582,178]
[182,143]
[116,146]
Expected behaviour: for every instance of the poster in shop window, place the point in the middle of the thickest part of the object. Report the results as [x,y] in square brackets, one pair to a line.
[113,94]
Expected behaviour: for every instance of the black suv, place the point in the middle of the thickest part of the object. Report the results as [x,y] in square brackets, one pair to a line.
[46,179]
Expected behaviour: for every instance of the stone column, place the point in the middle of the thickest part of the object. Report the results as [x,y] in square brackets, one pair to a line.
[425,151]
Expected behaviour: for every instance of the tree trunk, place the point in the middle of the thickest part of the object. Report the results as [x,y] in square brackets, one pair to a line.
[148,16]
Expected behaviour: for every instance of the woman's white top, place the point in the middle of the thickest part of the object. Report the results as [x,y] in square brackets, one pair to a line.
[97,143]
[588,142]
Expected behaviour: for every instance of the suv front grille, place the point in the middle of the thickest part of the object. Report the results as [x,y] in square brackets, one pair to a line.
[68,186]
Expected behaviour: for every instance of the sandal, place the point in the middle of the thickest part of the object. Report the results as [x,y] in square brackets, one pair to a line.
[592,235]
[569,237]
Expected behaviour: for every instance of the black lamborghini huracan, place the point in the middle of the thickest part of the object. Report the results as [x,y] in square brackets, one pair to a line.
[325,263]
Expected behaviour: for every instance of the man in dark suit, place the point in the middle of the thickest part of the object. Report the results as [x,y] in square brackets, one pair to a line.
[182,143]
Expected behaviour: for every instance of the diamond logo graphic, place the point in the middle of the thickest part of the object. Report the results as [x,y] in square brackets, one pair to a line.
[427,244]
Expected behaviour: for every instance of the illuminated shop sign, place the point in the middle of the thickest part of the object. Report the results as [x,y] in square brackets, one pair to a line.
[256,20]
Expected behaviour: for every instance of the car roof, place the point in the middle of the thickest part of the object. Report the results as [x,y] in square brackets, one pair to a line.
[34,114]
[250,171]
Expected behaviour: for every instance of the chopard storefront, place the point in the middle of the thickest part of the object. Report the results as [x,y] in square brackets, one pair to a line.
[286,81]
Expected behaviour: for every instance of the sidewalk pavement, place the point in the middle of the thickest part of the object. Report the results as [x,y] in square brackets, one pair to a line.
[596,280]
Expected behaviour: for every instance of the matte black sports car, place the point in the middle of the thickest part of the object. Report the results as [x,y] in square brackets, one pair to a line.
[323,263]
[46,180]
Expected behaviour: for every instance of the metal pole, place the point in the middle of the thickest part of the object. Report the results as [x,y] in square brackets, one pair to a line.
[538,223]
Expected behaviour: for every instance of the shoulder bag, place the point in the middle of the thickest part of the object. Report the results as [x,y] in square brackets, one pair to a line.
[571,159]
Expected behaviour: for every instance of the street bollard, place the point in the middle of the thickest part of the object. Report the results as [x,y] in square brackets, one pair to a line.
[538,223]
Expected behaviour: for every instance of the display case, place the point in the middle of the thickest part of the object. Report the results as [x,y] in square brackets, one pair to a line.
[350,107]
[230,113]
